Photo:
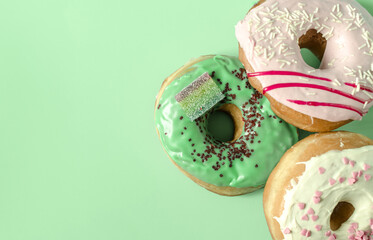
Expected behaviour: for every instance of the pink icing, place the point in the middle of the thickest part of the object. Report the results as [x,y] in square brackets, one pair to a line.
[326,104]
[314,86]
[289,73]
[273,53]
[368,89]
[286,73]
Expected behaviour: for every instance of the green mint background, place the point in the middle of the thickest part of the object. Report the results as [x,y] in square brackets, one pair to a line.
[79,156]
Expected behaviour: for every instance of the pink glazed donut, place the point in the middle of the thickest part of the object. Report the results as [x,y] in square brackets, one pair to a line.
[338,32]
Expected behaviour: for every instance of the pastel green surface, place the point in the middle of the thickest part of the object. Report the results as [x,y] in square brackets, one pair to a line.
[79,155]
[245,162]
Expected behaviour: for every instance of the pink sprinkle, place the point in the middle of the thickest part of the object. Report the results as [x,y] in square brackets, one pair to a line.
[311,211]
[328,233]
[332,237]
[301,205]
[367,177]
[305,218]
[360,233]
[354,174]
[371,222]
[318,227]
[308,233]
[352,181]
[366,166]
[318,193]
[352,163]
[332,181]
[316,200]
[345,160]
[354,225]
[287,231]
[321,170]
[351,237]
[314,218]
[351,230]
[303,232]
[342,179]
[360,173]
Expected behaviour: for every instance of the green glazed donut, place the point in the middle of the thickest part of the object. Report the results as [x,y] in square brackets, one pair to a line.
[228,168]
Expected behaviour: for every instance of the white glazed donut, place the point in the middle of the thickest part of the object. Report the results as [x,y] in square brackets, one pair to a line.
[322,188]
[341,90]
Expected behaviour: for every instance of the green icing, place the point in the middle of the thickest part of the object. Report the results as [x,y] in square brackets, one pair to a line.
[249,160]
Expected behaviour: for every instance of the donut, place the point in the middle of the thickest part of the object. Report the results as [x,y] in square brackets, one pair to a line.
[322,188]
[338,32]
[233,167]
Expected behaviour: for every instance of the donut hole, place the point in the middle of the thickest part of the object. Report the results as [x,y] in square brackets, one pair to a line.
[341,213]
[312,47]
[225,123]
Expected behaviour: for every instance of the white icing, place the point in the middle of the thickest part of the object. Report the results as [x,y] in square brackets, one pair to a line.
[269,33]
[359,194]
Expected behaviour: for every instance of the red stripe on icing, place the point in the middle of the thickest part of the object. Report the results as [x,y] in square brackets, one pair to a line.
[286,73]
[325,104]
[361,87]
[308,85]
[289,73]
